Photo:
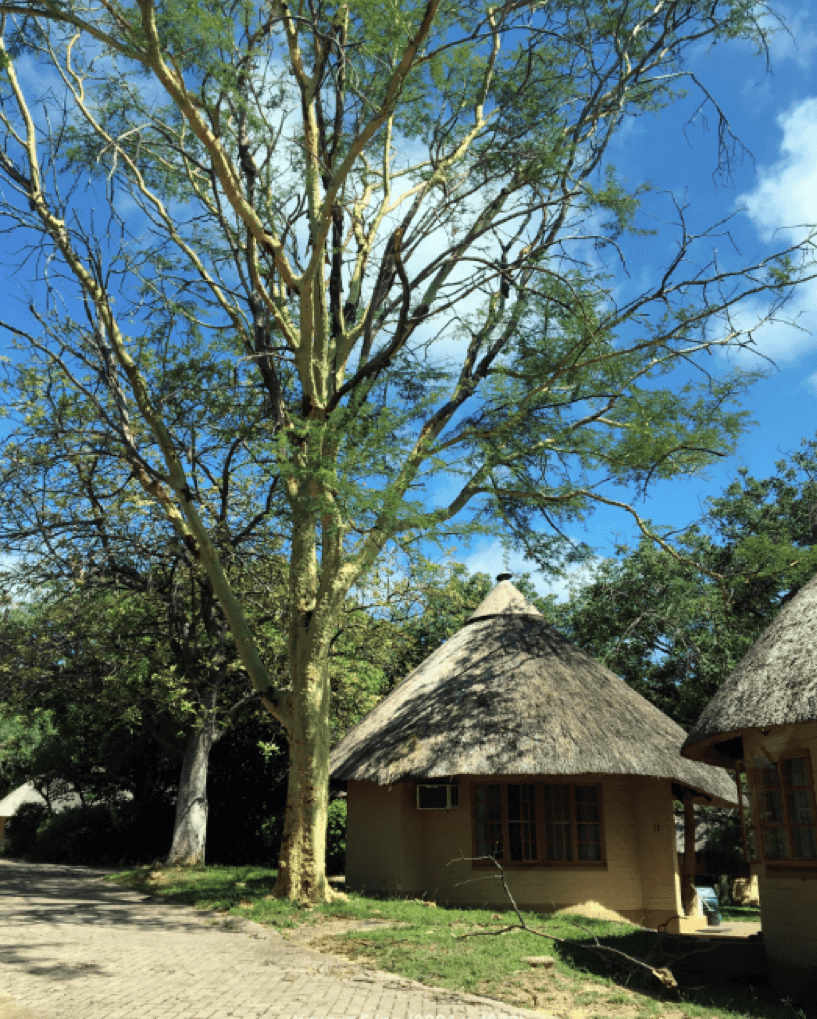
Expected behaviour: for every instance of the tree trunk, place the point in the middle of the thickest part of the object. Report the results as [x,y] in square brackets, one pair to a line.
[190,826]
[302,863]
[689,895]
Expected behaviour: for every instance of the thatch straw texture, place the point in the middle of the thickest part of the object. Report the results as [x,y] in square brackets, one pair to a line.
[508,695]
[775,683]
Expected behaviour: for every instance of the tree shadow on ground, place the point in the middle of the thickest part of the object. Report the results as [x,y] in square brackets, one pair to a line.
[699,967]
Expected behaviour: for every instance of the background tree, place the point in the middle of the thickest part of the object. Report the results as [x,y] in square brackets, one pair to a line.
[135,685]
[674,631]
[120,595]
[378,221]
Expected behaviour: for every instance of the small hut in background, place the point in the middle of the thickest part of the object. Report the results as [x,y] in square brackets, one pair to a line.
[27,793]
[763,724]
[509,741]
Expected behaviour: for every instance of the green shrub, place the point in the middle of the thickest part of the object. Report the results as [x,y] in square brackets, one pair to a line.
[336,838]
[270,833]
[84,834]
[21,829]
[94,834]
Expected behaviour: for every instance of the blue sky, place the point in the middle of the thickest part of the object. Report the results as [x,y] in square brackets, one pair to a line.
[775,115]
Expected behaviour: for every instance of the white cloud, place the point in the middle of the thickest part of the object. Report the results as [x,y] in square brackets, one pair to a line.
[785,197]
[792,336]
[493,559]
[798,43]
[782,206]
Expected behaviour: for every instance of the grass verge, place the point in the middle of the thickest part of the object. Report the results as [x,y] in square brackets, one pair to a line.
[743,913]
[424,947]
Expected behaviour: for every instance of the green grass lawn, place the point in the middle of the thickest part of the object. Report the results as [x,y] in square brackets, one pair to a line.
[427,946]
[747,913]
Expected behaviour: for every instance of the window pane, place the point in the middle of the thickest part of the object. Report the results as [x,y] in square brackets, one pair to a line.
[495,836]
[514,823]
[589,833]
[521,822]
[495,802]
[587,812]
[748,813]
[766,773]
[804,844]
[590,851]
[775,844]
[489,820]
[558,844]
[529,821]
[799,803]
[588,826]
[482,838]
[529,840]
[489,839]
[795,772]
[513,802]
[771,806]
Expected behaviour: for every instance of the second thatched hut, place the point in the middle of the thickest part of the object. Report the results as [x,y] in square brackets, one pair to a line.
[763,723]
[509,741]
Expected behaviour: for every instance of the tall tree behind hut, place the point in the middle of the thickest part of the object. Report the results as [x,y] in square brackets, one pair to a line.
[382,220]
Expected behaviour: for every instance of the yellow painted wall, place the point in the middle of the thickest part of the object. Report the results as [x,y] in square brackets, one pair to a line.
[654,820]
[788,906]
[393,847]
[746,891]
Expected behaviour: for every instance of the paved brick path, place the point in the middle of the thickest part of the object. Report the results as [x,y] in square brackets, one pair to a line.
[75,947]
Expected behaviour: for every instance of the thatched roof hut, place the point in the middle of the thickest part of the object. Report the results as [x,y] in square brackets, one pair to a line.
[27,793]
[763,722]
[10,804]
[508,695]
[775,683]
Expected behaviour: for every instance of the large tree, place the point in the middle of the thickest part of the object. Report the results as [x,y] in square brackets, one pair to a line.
[134,685]
[385,220]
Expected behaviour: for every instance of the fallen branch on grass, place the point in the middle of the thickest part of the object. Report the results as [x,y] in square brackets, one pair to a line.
[663,974]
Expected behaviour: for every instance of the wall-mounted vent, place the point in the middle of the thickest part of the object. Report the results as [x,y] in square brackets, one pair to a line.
[438,797]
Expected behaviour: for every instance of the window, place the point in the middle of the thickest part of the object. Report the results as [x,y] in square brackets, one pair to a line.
[786,820]
[533,823]
[748,820]
[488,814]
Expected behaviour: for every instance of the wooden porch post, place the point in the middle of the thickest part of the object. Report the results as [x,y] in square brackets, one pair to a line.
[688,892]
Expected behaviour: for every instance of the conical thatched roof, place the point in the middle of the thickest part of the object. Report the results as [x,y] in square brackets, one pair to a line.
[26,793]
[10,804]
[775,683]
[508,695]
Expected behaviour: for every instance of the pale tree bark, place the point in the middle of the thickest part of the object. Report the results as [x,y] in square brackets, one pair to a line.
[301,864]
[190,826]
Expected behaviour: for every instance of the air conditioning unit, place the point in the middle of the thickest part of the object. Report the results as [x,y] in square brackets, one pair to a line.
[438,797]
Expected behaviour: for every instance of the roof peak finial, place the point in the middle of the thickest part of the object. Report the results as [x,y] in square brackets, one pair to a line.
[503,576]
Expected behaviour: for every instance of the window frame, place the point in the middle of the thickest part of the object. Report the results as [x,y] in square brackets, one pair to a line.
[539,803]
[791,753]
